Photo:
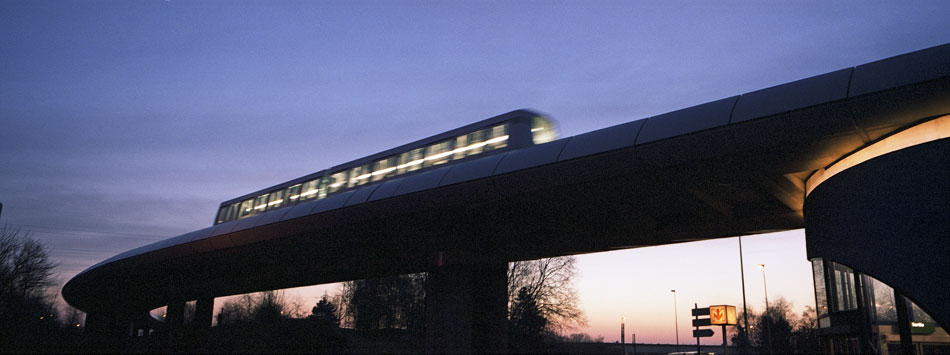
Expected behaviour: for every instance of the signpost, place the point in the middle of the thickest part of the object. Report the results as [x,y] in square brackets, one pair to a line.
[721,315]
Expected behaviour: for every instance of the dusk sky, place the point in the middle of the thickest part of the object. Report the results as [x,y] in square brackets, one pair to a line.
[127,122]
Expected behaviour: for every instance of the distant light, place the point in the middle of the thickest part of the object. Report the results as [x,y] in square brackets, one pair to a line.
[77,325]
[917,324]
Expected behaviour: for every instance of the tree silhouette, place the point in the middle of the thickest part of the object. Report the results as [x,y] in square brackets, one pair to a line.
[26,276]
[790,334]
[324,313]
[527,324]
[260,307]
[550,283]
[396,302]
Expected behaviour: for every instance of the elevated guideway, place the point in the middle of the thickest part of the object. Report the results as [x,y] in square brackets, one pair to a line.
[734,166]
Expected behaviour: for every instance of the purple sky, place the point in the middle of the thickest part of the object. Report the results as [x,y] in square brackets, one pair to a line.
[126,122]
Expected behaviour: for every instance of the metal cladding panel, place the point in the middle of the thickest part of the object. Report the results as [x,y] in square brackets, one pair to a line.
[225,227]
[421,181]
[184,238]
[923,65]
[531,156]
[794,95]
[271,217]
[244,223]
[300,210]
[602,140]
[361,195]
[201,234]
[472,169]
[333,202]
[152,247]
[137,251]
[385,190]
[688,120]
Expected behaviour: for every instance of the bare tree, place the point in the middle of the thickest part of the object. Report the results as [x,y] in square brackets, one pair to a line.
[26,271]
[266,306]
[26,292]
[550,283]
[395,302]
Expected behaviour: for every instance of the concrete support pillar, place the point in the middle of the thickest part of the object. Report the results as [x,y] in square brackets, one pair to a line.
[104,325]
[467,309]
[174,320]
[204,310]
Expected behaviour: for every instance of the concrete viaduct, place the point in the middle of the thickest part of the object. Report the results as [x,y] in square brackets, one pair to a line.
[859,157]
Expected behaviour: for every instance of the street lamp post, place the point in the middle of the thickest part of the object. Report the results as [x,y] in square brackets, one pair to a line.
[745,311]
[676,322]
[768,320]
[622,342]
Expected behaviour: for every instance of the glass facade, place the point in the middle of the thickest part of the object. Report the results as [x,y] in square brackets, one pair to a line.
[858,314]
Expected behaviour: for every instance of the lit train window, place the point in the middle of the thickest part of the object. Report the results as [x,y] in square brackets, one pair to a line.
[337,182]
[293,194]
[461,146]
[233,211]
[499,138]
[275,200]
[360,175]
[411,160]
[542,131]
[247,207]
[476,142]
[310,189]
[260,204]
[385,168]
[438,153]
[222,214]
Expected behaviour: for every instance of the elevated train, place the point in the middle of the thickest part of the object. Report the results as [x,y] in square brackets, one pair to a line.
[512,130]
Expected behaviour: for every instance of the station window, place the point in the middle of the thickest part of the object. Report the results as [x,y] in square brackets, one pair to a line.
[438,153]
[821,295]
[385,168]
[360,175]
[293,193]
[337,182]
[310,189]
[844,288]
[885,310]
[275,200]
[411,160]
